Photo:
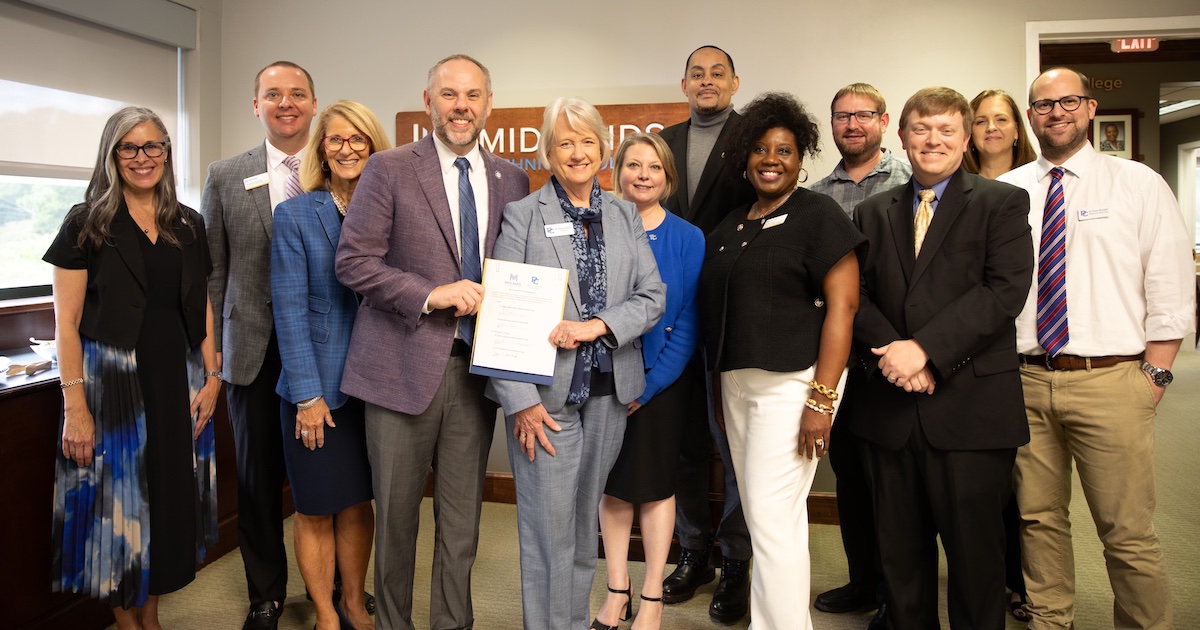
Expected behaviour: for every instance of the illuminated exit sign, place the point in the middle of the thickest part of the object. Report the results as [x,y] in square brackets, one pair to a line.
[1142,44]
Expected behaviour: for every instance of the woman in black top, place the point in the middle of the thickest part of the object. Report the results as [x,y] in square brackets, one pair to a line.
[779,292]
[135,483]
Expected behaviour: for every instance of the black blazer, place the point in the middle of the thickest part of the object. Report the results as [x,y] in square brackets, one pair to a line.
[960,301]
[116,286]
[719,191]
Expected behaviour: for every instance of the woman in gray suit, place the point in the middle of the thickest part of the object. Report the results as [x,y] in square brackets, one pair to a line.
[615,297]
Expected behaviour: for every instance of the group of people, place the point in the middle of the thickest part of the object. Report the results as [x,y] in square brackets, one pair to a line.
[332,283]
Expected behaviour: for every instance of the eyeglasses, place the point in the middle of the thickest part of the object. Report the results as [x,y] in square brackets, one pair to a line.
[357,143]
[1068,103]
[865,116]
[128,151]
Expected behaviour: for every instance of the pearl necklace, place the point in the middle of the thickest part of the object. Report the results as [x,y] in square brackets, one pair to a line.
[337,201]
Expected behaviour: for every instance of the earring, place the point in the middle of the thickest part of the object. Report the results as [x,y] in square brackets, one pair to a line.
[805,172]
[743,174]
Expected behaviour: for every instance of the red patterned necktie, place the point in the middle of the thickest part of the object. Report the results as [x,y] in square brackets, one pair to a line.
[1052,270]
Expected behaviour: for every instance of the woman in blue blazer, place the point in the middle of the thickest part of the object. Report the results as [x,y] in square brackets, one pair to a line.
[324,440]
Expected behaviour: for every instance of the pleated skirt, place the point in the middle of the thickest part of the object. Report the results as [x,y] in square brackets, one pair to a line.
[101,531]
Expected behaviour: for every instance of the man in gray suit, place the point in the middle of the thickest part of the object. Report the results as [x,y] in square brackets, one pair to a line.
[239,197]
[409,354]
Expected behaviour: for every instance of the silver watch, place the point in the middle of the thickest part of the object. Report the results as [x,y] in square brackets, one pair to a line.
[1161,377]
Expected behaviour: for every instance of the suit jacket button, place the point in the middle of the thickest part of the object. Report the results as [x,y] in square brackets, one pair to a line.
[450,322]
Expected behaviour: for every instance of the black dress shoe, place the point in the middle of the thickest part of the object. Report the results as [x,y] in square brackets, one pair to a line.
[880,620]
[263,616]
[731,600]
[693,571]
[844,599]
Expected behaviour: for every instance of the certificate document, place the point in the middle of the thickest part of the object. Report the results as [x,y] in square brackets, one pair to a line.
[521,305]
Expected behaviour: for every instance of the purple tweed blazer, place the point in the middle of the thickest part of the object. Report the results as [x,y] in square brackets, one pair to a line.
[397,244]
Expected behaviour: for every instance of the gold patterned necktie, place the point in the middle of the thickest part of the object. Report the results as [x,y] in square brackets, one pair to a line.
[924,216]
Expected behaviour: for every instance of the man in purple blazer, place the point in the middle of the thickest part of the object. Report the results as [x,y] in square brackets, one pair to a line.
[424,216]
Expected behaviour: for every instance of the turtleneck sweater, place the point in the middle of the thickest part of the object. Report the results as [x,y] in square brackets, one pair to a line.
[702,137]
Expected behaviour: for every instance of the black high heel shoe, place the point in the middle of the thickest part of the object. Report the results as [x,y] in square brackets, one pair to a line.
[649,599]
[628,592]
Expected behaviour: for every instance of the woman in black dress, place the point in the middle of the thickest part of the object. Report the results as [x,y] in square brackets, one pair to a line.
[135,491]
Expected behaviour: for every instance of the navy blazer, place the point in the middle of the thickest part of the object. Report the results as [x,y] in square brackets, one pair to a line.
[314,313]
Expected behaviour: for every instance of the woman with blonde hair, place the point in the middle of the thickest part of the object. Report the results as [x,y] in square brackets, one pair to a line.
[324,432]
[644,474]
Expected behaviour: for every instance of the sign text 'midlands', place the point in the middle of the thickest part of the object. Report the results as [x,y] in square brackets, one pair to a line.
[513,133]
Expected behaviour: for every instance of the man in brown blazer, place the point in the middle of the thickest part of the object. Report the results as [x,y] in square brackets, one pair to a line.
[402,250]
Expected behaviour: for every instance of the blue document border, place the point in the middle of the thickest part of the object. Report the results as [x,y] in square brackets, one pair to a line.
[524,377]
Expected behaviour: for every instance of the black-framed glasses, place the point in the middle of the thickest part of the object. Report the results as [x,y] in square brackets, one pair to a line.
[1069,103]
[128,150]
[863,117]
[357,143]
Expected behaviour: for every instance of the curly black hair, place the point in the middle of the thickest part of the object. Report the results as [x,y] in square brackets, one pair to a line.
[767,111]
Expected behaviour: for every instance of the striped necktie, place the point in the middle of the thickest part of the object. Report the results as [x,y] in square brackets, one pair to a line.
[1052,270]
[924,217]
[468,234]
[292,187]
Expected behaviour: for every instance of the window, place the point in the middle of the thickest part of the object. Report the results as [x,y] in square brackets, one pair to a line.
[53,106]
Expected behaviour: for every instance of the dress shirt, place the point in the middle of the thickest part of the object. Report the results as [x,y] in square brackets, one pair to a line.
[479,185]
[1129,259]
[278,173]
[889,172]
[939,189]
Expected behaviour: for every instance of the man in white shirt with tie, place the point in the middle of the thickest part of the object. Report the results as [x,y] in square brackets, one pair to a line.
[1110,304]
[239,198]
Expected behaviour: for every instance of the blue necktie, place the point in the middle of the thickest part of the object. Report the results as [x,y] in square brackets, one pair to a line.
[468,228]
[1052,270]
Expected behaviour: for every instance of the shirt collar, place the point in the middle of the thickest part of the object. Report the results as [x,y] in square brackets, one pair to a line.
[275,157]
[447,156]
[884,165]
[1078,165]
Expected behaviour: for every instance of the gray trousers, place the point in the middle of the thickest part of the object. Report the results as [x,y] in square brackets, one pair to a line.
[558,501]
[455,430]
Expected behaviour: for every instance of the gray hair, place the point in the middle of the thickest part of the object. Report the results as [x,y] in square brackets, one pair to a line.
[106,190]
[581,116]
[487,75]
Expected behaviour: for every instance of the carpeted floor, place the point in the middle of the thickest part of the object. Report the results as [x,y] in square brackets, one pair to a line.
[217,598]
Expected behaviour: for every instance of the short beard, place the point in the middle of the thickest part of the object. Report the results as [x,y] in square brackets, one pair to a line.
[852,157]
[1053,152]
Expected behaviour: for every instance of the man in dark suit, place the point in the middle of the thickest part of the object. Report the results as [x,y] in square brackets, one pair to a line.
[709,191]
[240,195]
[948,269]
[423,215]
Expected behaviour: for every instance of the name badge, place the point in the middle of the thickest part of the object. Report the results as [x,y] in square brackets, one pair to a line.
[560,229]
[262,179]
[1088,214]
[773,221]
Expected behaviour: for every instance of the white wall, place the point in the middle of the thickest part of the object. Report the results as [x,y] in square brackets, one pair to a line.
[634,51]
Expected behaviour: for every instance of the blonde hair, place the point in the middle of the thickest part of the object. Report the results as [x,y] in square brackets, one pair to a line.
[314,170]
[665,156]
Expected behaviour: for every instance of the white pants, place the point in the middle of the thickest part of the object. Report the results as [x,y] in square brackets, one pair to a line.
[762,420]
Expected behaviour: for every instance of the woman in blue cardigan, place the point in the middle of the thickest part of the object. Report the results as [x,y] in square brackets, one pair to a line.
[323,429]
[644,474]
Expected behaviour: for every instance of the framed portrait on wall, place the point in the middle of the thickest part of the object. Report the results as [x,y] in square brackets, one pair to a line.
[1114,132]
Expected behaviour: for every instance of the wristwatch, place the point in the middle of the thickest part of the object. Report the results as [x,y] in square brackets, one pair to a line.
[1161,377]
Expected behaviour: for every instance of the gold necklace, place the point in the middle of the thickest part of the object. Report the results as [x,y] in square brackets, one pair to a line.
[750,216]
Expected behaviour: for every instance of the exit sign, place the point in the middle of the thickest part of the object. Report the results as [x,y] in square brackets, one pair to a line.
[1141,44]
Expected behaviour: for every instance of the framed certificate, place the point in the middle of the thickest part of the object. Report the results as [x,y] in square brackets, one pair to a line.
[521,305]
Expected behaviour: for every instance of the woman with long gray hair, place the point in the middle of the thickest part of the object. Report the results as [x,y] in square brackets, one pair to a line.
[135,484]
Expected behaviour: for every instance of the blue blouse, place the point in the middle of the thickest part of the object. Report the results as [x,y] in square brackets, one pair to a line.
[678,248]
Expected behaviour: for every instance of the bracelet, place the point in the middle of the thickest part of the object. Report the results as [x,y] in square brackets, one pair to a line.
[308,404]
[71,383]
[831,394]
[824,410]
[212,374]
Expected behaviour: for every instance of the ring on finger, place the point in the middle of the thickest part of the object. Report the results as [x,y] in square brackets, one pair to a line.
[819,442]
